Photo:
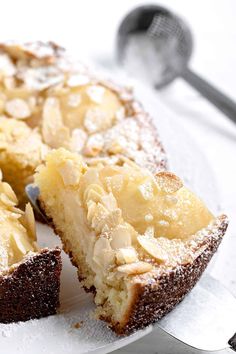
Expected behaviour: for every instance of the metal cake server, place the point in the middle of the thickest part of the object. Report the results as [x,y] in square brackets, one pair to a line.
[156,45]
[205,319]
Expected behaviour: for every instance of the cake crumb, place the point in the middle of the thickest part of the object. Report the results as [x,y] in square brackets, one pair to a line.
[77,325]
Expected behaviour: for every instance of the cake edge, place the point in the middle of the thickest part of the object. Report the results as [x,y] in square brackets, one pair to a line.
[31,288]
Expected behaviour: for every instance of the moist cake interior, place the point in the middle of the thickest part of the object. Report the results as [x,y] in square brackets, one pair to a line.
[120,224]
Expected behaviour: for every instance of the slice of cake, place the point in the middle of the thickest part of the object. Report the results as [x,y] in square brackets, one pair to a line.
[29,277]
[71,107]
[140,241]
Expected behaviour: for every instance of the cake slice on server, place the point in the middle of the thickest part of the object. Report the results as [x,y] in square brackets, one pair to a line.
[140,241]
[29,276]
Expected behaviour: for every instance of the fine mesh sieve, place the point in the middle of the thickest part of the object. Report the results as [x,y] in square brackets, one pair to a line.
[156,45]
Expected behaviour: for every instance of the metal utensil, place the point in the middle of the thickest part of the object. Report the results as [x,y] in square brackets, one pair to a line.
[156,45]
[205,319]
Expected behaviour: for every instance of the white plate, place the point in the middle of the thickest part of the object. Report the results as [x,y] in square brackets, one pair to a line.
[56,334]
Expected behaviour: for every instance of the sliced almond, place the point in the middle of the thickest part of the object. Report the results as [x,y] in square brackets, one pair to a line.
[6,200]
[9,192]
[55,134]
[91,210]
[18,243]
[135,268]
[1,175]
[121,237]
[126,255]
[94,145]
[109,201]
[103,255]
[108,222]
[70,174]
[78,139]
[146,190]
[93,192]
[151,246]
[18,108]
[96,93]
[3,257]
[99,213]
[168,182]
[30,221]
[95,120]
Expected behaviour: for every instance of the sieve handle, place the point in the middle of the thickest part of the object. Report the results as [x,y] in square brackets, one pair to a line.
[211,93]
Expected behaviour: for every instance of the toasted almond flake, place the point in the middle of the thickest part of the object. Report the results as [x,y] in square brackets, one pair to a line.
[102,253]
[126,255]
[30,221]
[16,239]
[120,237]
[6,65]
[17,108]
[151,246]
[146,190]
[6,200]
[78,80]
[94,120]
[55,134]
[78,139]
[9,192]
[90,190]
[96,93]
[94,145]
[69,174]
[74,100]
[135,268]
[148,217]
[168,182]
[17,211]
[109,221]
[0,175]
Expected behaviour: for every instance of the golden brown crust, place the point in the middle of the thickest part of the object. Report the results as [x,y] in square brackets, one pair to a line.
[31,289]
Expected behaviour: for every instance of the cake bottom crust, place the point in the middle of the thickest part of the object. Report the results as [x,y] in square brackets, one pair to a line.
[31,289]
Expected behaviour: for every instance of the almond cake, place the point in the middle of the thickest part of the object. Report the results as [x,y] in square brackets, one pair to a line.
[140,240]
[52,101]
[29,276]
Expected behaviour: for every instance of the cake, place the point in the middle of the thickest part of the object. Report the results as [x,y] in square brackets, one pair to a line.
[57,102]
[140,240]
[29,276]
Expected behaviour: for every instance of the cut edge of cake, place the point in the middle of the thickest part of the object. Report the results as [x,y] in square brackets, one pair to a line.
[148,294]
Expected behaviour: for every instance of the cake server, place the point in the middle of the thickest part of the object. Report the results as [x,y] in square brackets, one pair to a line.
[156,45]
[205,319]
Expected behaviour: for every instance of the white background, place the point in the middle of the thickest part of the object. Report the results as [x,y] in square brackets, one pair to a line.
[88,28]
